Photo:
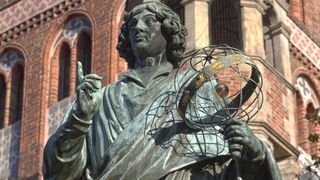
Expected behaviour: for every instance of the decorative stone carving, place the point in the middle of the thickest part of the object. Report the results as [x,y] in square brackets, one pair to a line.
[306,92]
[9,151]
[9,58]
[38,14]
[304,43]
[56,113]
[72,29]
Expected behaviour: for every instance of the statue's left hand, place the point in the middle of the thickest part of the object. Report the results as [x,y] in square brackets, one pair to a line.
[238,133]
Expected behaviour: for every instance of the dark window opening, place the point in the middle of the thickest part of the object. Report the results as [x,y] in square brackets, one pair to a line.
[2,100]
[84,52]
[16,94]
[64,71]
[226,23]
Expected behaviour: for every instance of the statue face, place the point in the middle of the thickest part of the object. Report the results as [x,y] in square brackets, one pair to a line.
[145,35]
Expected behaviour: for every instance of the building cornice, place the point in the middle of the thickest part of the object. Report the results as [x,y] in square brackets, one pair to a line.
[274,136]
[284,4]
[257,4]
[38,19]
[185,2]
[280,28]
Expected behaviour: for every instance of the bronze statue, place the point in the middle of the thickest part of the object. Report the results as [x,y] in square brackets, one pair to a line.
[107,133]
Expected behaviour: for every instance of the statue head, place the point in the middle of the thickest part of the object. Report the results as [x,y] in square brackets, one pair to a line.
[170,36]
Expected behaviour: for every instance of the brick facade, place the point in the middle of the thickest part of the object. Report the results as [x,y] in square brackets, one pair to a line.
[38,30]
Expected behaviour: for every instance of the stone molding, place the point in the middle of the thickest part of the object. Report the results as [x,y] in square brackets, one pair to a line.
[257,4]
[185,2]
[283,4]
[38,19]
[280,28]
[264,128]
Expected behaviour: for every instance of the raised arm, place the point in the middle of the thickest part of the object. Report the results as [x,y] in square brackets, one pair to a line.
[65,155]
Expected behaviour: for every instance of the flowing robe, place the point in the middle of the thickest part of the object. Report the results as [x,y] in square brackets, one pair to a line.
[138,134]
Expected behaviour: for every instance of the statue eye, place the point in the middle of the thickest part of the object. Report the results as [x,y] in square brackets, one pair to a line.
[150,20]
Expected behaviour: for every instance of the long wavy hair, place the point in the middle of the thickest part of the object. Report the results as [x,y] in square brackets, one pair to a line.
[173,30]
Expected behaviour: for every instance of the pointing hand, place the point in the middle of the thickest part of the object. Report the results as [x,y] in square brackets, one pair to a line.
[88,94]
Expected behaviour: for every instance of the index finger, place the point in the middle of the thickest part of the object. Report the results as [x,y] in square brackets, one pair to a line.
[80,75]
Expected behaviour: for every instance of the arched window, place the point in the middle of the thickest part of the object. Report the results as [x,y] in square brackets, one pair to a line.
[16,99]
[84,50]
[73,44]
[64,71]
[306,103]
[226,23]
[2,100]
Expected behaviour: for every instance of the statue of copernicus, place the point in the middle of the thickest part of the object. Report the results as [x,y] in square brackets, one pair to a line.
[107,133]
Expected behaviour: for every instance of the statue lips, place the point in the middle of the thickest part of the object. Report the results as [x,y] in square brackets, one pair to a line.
[140,37]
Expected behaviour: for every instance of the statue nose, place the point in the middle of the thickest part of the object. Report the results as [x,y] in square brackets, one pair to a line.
[140,26]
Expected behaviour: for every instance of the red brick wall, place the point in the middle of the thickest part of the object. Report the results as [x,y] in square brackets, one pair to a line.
[296,9]
[274,97]
[308,12]
[36,45]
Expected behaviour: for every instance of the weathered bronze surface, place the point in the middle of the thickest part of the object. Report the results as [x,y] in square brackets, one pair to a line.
[131,129]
